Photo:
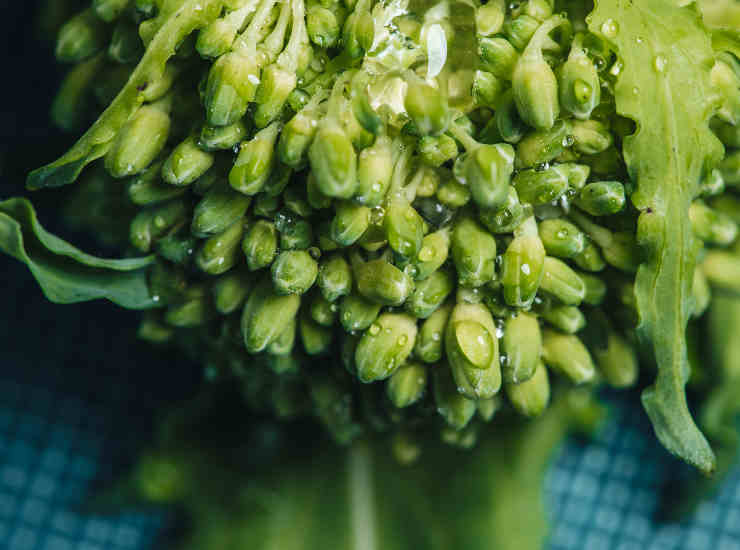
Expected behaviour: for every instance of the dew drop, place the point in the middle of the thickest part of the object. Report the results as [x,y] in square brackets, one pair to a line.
[374,329]
[561,234]
[610,28]
[376,187]
[525,269]
[660,63]
[402,340]
[436,336]
[426,253]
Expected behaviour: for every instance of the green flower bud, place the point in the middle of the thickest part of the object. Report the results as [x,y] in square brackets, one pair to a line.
[533,82]
[539,187]
[436,150]
[294,272]
[403,226]
[151,224]
[722,270]
[260,244]
[382,282]
[350,222]
[580,88]
[701,294]
[730,169]
[385,346]
[456,409]
[295,233]
[322,26]
[216,138]
[487,408]
[433,253]
[711,226]
[231,86]
[562,282]
[498,56]
[487,88]
[335,277]
[542,146]
[595,289]
[221,252]
[147,188]
[520,30]
[568,319]
[522,344]
[359,32]
[427,108]
[177,246]
[489,18]
[407,385]
[357,313]
[230,290]
[473,252]
[295,200]
[429,342]
[532,396]
[577,174]
[316,339]
[125,45]
[81,37]
[539,9]
[506,218]
[617,362]
[591,137]
[109,10]
[322,311]
[561,238]
[334,162]
[523,266]
[273,92]
[374,172]
[194,309]
[566,354]
[318,200]
[713,184]
[255,161]
[70,109]
[471,348]
[296,137]
[429,294]
[218,209]
[266,206]
[487,172]
[619,248]
[590,259]
[265,316]
[154,331]
[139,142]
[186,163]
[453,194]
[374,238]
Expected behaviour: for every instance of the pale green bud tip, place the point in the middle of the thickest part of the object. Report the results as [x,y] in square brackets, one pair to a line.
[407,385]
[487,172]
[186,163]
[260,244]
[562,282]
[265,316]
[80,37]
[602,198]
[109,10]
[383,283]
[531,397]
[334,163]
[385,346]
[522,343]
[322,26]
[427,108]
[567,354]
[231,85]
[138,143]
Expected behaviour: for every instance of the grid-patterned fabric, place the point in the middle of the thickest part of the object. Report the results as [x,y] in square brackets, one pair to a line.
[75,397]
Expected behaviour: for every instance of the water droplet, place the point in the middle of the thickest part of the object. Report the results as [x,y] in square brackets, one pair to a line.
[388,330]
[376,187]
[525,269]
[436,336]
[660,63]
[568,140]
[402,340]
[616,68]
[155,298]
[561,234]
[610,28]
[346,316]
[638,39]
[635,90]
[374,329]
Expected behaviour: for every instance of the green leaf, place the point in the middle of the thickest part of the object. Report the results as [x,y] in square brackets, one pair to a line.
[664,87]
[65,273]
[173,25]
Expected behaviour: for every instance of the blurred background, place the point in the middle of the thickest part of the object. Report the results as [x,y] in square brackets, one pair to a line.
[79,394]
